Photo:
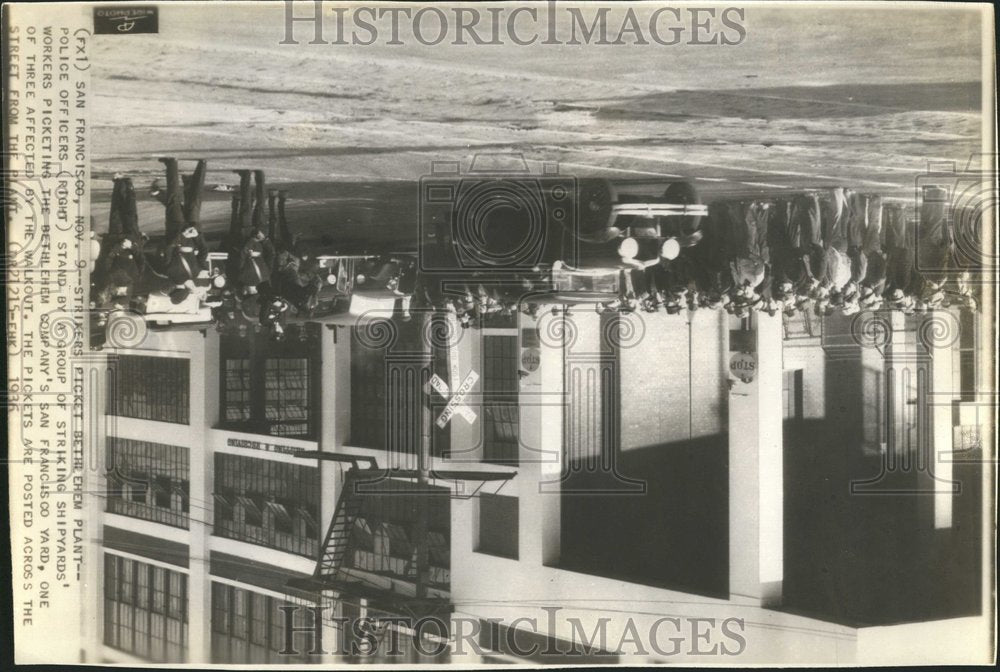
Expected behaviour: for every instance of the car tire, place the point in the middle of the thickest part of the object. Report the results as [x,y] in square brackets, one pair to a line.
[686,194]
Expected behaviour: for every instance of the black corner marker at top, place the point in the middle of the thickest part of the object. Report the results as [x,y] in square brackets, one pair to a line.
[126,20]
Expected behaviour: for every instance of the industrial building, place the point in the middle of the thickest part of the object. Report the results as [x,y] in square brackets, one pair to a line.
[607,491]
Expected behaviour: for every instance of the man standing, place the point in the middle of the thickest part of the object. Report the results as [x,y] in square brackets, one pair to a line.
[184,252]
[121,263]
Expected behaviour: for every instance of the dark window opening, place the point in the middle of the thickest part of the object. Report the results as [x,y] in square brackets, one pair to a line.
[500,399]
[498,526]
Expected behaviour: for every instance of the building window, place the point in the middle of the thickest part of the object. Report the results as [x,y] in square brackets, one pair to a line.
[249,627]
[967,368]
[286,396]
[148,481]
[145,610]
[267,502]
[150,388]
[387,390]
[236,383]
[498,526]
[500,399]
[384,537]
[368,393]
[271,387]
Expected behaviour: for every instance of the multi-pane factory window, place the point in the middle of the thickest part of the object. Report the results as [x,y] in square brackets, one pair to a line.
[147,480]
[236,384]
[967,369]
[270,387]
[500,399]
[249,627]
[387,391]
[267,502]
[150,388]
[384,538]
[286,396]
[145,610]
[498,526]
[368,393]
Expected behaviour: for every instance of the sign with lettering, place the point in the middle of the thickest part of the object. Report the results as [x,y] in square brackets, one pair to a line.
[530,359]
[455,401]
[743,366]
[126,20]
[251,444]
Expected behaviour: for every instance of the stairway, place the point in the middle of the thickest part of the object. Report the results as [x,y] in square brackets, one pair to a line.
[336,544]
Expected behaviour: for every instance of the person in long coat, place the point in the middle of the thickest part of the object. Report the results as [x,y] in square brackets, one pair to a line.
[121,262]
[184,253]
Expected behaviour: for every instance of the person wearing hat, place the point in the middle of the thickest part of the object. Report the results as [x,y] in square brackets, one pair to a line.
[182,201]
[748,244]
[255,260]
[179,294]
[837,213]
[857,233]
[250,307]
[274,313]
[121,261]
[787,254]
[935,238]
[184,254]
[900,275]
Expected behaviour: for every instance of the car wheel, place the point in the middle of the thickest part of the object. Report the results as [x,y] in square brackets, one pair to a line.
[684,193]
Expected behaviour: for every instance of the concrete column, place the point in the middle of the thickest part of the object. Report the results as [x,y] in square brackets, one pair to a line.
[756,486]
[941,336]
[335,414]
[95,428]
[541,498]
[204,372]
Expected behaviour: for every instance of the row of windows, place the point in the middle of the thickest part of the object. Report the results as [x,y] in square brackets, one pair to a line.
[249,627]
[148,481]
[270,392]
[145,610]
[381,397]
[266,502]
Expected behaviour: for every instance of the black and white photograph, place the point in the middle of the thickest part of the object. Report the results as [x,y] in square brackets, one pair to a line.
[501,333]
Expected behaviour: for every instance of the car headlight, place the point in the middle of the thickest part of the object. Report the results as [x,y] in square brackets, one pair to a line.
[629,248]
[670,248]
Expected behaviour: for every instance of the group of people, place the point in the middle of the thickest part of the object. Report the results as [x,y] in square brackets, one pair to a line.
[826,251]
[829,250]
[266,274]
[175,276]
[133,273]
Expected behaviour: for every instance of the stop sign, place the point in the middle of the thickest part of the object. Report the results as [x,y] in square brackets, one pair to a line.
[743,366]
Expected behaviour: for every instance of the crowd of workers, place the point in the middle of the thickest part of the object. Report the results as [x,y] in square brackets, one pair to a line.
[829,250]
[823,250]
[264,274]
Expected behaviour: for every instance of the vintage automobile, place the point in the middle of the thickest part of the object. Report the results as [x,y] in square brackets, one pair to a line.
[619,232]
